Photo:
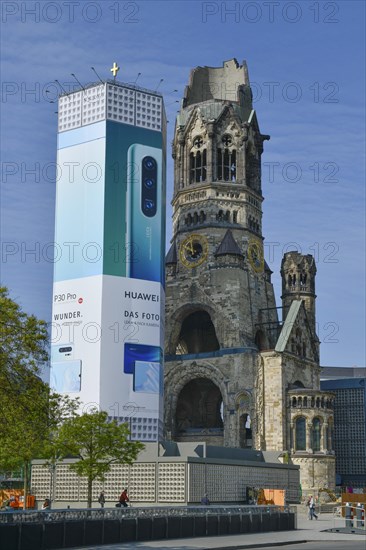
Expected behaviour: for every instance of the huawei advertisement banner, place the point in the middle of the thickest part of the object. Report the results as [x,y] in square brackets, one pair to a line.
[107,348]
[133,345]
[108,295]
[76,338]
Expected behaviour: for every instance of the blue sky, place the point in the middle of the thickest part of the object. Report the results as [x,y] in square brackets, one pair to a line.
[306,65]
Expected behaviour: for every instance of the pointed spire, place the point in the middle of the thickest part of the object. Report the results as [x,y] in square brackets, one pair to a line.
[228,245]
[267,268]
[171,257]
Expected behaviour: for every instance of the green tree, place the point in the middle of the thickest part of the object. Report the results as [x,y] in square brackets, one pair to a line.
[29,412]
[23,395]
[23,350]
[98,443]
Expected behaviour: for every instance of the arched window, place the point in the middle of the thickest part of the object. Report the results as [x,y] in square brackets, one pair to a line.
[253,224]
[294,402]
[226,161]
[331,437]
[220,216]
[260,340]
[192,164]
[199,407]
[235,216]
[197,334]
[300,427]
[202,216]
[245,431]
[316,434]
[195,218]
[198,166]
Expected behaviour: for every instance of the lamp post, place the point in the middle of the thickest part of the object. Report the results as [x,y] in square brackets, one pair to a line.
[286,460]
[52,470]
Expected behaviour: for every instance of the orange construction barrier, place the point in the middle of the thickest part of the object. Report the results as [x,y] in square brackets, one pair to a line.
[271,496]
[16,498]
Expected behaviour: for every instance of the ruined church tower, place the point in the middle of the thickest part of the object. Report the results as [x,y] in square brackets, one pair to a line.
[231,359]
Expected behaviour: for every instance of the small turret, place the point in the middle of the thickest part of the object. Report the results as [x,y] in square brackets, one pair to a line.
[298,283]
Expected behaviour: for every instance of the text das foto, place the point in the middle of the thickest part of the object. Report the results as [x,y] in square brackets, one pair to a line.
[139,315]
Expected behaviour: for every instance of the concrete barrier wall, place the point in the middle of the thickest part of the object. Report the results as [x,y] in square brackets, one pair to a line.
[48,535]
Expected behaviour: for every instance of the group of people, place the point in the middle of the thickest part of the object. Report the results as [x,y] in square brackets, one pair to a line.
[7,505]
[122,501]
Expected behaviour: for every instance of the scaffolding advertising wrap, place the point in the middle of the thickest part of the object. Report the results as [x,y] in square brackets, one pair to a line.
[108,296]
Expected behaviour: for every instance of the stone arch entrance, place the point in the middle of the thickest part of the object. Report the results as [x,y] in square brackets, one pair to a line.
[243,405]
[199,411]
[197,334]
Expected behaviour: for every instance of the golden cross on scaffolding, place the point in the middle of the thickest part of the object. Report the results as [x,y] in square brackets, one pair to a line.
[115,70]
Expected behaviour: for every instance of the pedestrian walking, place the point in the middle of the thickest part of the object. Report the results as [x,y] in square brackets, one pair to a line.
[123,499]
[101,499]
[204,500]
[312,513]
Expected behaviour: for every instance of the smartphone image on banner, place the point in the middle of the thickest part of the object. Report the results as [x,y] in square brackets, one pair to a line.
[65,376]
[140,352]
[147,376]
[144,225]
[62,352]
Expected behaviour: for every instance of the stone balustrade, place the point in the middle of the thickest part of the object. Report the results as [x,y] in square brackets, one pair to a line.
[311,399]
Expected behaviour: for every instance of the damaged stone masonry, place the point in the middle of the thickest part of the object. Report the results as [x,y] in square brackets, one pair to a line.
[240,372]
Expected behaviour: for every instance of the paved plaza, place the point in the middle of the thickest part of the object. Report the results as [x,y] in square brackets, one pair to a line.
[307,531]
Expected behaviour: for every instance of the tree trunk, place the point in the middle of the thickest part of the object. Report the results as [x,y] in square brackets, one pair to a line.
[90,489]
[25,485]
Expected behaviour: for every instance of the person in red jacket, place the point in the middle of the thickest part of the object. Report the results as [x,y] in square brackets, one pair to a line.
[123,499]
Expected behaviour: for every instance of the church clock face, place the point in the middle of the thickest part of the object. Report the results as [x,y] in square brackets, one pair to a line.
[255,255]
[194,250]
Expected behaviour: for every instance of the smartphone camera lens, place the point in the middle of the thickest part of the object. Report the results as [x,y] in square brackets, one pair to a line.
[64,350]
[149,163]
[149,204]
[149,182]
[149,169]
